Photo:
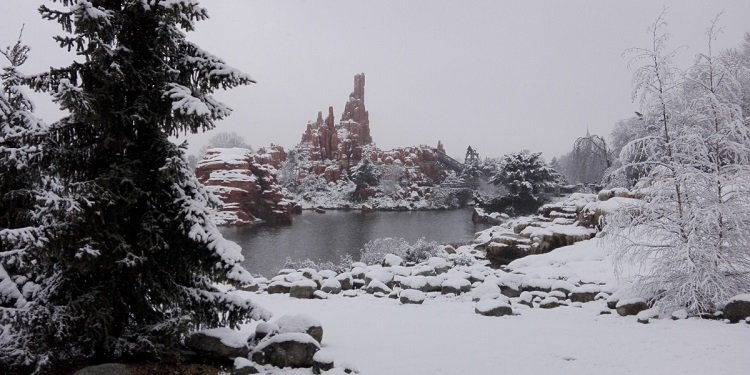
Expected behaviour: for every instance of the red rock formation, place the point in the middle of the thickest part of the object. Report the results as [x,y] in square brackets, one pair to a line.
[246,184]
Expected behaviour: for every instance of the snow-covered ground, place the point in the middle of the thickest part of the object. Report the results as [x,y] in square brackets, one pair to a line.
[445,336]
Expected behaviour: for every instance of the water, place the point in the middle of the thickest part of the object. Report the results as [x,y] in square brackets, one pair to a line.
[331,235]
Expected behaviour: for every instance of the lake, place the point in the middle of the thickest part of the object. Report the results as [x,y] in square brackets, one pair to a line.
[323,237]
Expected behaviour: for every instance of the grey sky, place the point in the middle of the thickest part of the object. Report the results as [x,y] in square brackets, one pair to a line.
[499,75]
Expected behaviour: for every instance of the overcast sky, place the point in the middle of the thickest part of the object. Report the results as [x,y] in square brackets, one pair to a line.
[499,75]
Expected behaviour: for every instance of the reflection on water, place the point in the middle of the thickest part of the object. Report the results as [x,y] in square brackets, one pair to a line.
[329,236]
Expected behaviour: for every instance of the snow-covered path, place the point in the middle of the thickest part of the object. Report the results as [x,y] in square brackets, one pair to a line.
[445,336]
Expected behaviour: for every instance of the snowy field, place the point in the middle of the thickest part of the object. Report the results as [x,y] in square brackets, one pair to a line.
[445,336]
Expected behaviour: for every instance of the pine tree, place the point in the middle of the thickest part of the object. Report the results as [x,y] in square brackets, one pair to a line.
[135,267]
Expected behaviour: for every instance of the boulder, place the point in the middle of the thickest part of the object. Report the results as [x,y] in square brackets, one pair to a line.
[631,306]
[585,293]
[331,286]
[278,287]
[218,343]
[455,286]
[264,329]
[391,260]
[322,361]
[291,349]
[304,289]
[738,308]
[411,296]
[550,303]
[507,248]
[301,324]
[377,286]
[493,307]
[345,279]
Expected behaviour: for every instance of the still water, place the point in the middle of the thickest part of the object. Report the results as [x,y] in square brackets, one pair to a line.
[328,236]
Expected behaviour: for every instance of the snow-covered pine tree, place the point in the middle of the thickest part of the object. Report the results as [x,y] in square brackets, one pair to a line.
[691,228]
[136,266]
[523,175]
[31,201]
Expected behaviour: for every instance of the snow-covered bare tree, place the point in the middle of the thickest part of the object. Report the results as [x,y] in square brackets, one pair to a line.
[136,266]
[691,228]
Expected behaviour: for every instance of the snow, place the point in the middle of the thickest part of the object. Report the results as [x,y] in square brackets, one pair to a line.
[228,337]
[741,297]
[445,336]
[296,323]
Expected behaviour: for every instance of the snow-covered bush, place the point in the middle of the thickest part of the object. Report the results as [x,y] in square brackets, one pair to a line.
[342,265]
[374,251]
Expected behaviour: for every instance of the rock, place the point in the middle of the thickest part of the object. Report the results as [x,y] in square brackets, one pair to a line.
[247,184]
[384,275]
[322,361]
[292,349]
[585,293]
[358,284]
[411,296]
[738,308]
[550,303]
[424,270]
[319,294]
[449,249]
[509,291]
[486,287]
[242,366]
[612,301]
[278,287]
[493,307]
[105,369]
[331,286]
[319,210]
[391,260]
[507,248]
[631,306]
[327,274]
[414,282]
[377,286]
[264,329]
[455,286]
[304,289]
[345,279]
[434,283]
[440,265]
[301,324]
[218,343]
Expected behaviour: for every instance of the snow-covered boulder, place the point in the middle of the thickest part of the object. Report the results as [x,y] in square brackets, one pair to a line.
[493,307]
[322,361]
[550,303]
[377,286]
[585,293]
[455,286]
[487,287]
[631,306]
[390,260]
[411,296]
[292,349]
[440,265]
[264,329]
[304,289]
[384,275]
[345,279]
[278,287]
[331,286]
[414,282]
[302,324]
[219,343]
[738,308]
